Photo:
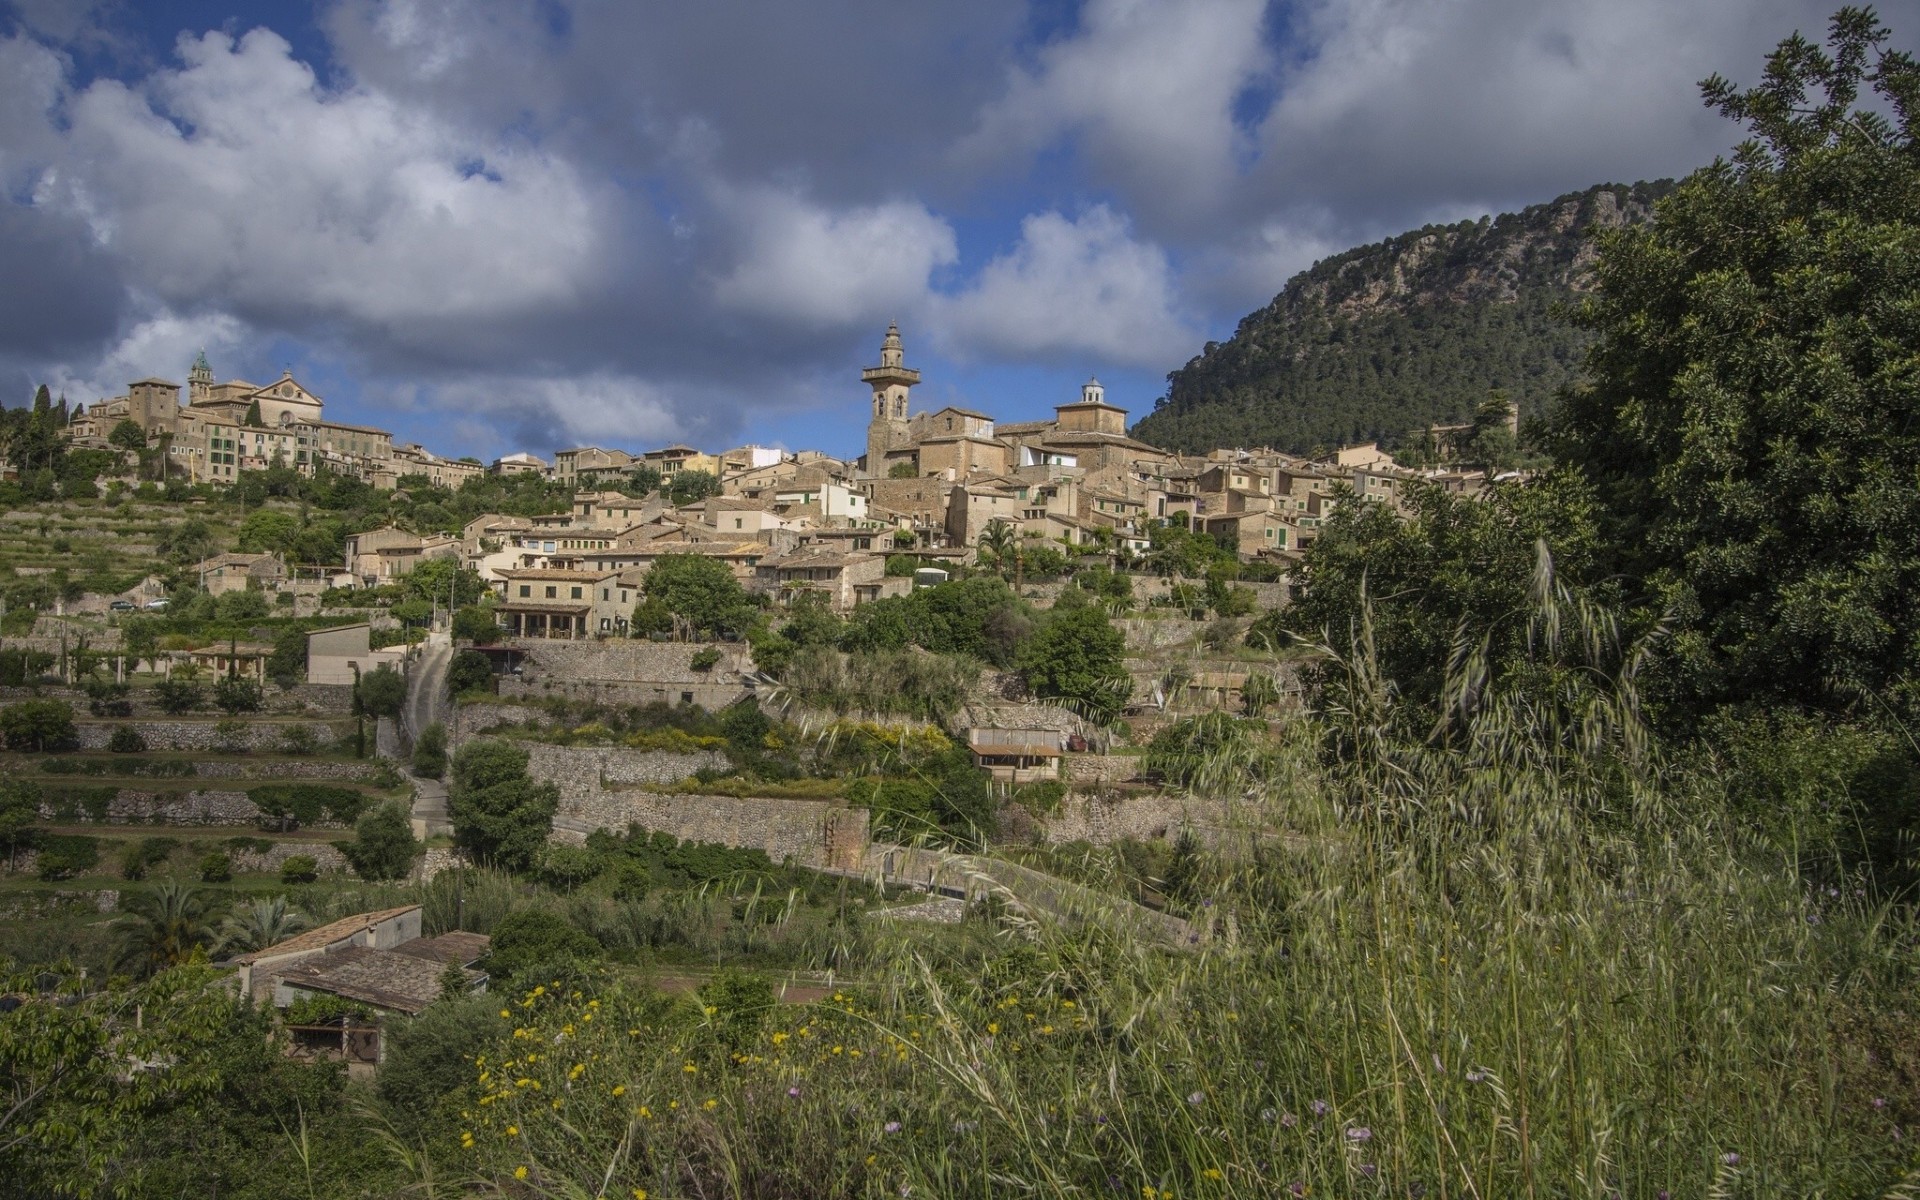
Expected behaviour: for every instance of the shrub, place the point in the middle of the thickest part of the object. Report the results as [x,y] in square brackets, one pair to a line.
[299,868]
[105,698]
[564,868]
[141,856]
[176,696]
[470,671]
[384,846]
[430,752]
[305,803]
[299,739]
[736,1003]
[704,658]
[537,938]
[234,695]
[383,692]
[216,867]
[64,856]
[38,725]
[242,606]
[125,739]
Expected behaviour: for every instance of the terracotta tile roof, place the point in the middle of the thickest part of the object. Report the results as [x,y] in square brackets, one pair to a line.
[322,936]
[385,978]
[459,946]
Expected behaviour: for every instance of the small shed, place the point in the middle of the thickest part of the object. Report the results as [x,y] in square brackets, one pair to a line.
[1016,756]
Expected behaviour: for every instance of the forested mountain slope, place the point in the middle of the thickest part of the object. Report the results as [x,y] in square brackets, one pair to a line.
[1392,337]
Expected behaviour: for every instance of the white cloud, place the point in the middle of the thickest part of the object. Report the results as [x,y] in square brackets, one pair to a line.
[162,343]
[1071,288]
[240,180]
[1148,87]
[804,264]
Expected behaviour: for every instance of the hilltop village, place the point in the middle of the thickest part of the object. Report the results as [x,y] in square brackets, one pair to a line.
[930,484]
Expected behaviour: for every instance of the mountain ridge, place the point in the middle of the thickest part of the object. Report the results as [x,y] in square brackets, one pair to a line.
[1390,337]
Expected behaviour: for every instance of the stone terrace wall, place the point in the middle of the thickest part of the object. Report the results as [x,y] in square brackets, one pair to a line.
[319,698]
[279,768]
[325,857]
[583,770]
[1080,770]
[1105,817]
[811,833]
[135,806]
[204,735]
[628,671]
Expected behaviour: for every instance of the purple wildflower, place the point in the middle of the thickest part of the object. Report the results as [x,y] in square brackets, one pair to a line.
[892,1127]
[1879,1101]
[1196,1097]
[1297,1188]
[794,1092]
[1476,1076]
[1319,1108]
[1730,1158]
[1359,1133]
[1288,1120]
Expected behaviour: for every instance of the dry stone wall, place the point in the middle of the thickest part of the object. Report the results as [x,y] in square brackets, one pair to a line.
[207,735]
[1103,818]
[133,806]
[579,770]
[811,833]
[328,860]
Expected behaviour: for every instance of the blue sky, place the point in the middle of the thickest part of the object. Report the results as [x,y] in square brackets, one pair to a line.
[525,224]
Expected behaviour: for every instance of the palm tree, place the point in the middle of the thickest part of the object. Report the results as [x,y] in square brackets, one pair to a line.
[163,927]
[998,539]
[259,925]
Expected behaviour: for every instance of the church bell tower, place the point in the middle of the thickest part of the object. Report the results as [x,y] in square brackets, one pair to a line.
[891,381]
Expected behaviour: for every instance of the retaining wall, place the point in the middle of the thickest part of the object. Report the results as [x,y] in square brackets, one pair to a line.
[811,833]
[325,857]
[582,770]
[134,806]
[205,735]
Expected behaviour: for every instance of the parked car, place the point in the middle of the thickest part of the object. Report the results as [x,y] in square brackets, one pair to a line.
[121,606]
[157,605]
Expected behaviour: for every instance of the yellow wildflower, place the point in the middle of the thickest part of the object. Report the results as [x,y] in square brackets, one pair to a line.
[1213,1173]
[646,1114]
[513,1131]
[639,1194]
[508,1013]
[710,1104]
[619,1089]
[519,1172]
[993,1027]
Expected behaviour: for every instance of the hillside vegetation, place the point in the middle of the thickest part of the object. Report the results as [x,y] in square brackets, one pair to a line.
[1393,337]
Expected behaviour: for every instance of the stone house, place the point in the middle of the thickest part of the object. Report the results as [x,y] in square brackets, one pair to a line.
[343,653]
[235,572]
[549,603]
[846,579]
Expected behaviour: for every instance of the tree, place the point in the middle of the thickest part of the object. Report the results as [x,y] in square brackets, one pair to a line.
[469,671]
[259,924]
[702,592]
[904,469]
[253,419]
[176,696]
[433,579]
[128,436]
[999,543]
[19,809]
[163,927]
[141,638]
[1076,656]
[268,530]
[287,665]
[476,623]
[383,691]
[38,725]
[689,486]
[536,937]
[383,845]
[1749,424]
[247,605]
[234,695]
[430,752]
[497,811]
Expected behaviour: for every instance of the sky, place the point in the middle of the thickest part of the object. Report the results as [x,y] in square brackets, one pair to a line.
[499,225]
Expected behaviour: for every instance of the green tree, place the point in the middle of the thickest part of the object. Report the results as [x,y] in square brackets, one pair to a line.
[141,638]
[176,696]
[430,752]
[234,695]
[904,469]
[1076,656]
[268,530]
[498,813]
[383,691]
[1749,421]
[247,605]
[259,924]
[19,809]
[38,725]
[163,927]
[383,845]
[702,593]
[287,665]
[476,623]
[689,486]
[469,671]
[128,436]
[530,938]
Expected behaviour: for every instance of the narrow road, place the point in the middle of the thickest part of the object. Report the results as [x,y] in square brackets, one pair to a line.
[427,684]
[427,702]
